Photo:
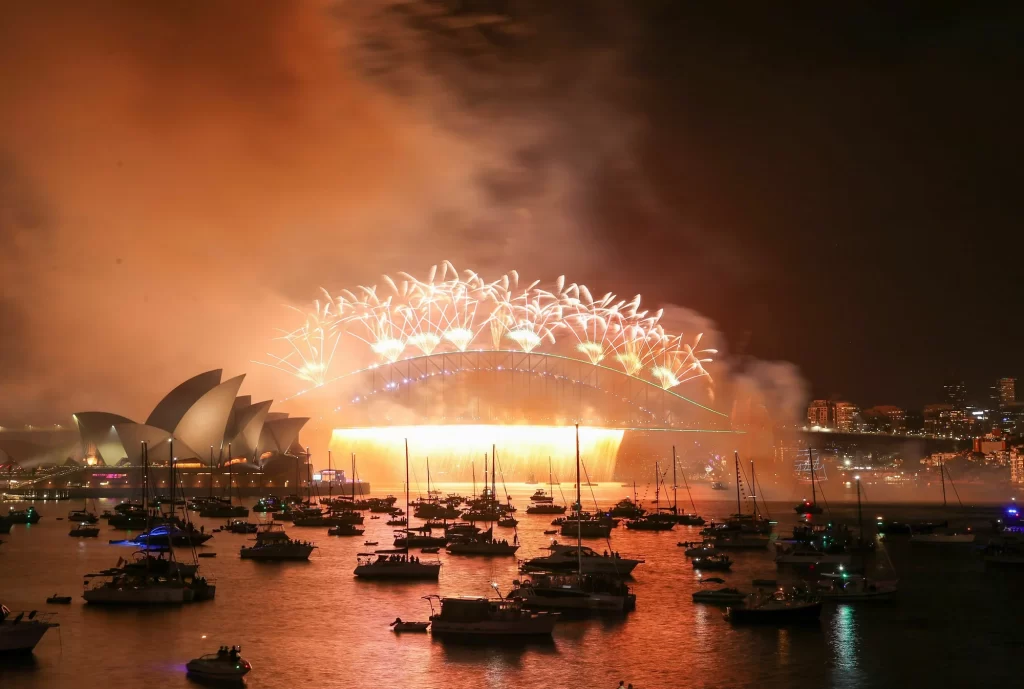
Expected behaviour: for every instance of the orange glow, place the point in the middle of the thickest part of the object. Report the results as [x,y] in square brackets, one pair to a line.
[453,450]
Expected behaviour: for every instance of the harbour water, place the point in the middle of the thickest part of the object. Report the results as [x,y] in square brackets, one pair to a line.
[312,624]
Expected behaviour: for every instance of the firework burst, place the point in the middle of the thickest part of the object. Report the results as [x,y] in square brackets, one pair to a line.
[449,311]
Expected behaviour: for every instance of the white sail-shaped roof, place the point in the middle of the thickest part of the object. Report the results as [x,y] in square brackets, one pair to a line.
[204,422]
[173,407]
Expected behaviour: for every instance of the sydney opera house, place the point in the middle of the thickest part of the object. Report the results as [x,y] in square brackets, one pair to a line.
[215,432]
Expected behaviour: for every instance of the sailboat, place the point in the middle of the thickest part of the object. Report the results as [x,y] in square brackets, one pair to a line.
[944,536]
[219,507]
[433,508]
[547,506]
[585,562]
[691,519]
[849,587]
[397,565]
[83,516]
[805,506]
[656,521]
[150,584]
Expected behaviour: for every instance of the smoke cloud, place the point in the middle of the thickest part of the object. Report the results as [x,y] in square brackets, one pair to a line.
[173,173]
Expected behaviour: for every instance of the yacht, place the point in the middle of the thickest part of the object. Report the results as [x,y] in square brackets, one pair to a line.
[545,508]
[345,530]
[482,544]
[847,588]
[83,530]
[268,504]
[482,617]
[241,526]
[272,543]
[571,557]
[131,588]
[395,566]
[221,509]
[20,632]
[171,535]
[27,516]
[574,592]
[722,596]
[626,508]
[811,506]
[223,666]
[712,562]
[540,495]
[778,607]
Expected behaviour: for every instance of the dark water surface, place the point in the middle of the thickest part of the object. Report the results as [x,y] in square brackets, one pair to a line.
[315,625]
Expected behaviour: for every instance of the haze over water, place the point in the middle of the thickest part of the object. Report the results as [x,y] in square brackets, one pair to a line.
[315,625]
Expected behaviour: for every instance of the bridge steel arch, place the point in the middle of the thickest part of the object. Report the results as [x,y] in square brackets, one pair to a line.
[555,376]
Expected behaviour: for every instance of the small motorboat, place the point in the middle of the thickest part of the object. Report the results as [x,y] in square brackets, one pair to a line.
[777,607]
[551,532]
[369,542]
[59,600]
[712,562]
[84,531]
[430,549]
[207,554]
[223,666]
[400,626]
[722,596]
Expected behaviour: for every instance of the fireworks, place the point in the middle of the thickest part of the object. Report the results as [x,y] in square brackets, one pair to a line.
[450,311]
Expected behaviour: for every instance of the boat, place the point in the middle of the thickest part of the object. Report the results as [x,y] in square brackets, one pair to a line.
[508,522]
[582,524]
[809,506]
[597,593]
[718,485]
[722,596]
[242,526]
[272,543]
[483,617]
[83,516]
[780,606]
[655,521]
[26,516]
[369,542]
[83,530]
[575,557]
[540,495]
[627,508]
[20,632]
[712,562]
[847,588]
[149,580]
[550,532]
[807,554]
[397,565]
[430,549]
[223,666]
[399,625]
[59,600]
[268,504]
[673,513]
[171,535]
[207,555]
[345,530]
[481,544]
[700,549]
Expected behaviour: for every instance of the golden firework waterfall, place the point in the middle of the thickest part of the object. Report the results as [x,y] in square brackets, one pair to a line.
[524,450]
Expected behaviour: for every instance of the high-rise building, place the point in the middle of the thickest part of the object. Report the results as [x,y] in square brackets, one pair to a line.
[1006,389]
[847,417]
[936,419]
[821,413]
[886,418]
[954,393]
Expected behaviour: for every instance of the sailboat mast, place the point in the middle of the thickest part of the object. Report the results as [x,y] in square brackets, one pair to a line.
[330,472]
[352,478]
[687,484]
[494,474]
[753,488]
[211,472]
[942,475]
[551,479]
[309,479]
[484,493]
[473,465]
[170,469]
[860,515]
[229,473]
[407,494]
[736,461]
[675,488]
[657,487]
[579,509]
[814,495]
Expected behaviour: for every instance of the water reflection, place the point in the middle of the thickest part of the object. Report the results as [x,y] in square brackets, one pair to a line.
[845,644]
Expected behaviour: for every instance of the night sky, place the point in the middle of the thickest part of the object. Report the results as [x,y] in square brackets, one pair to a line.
[836,188]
